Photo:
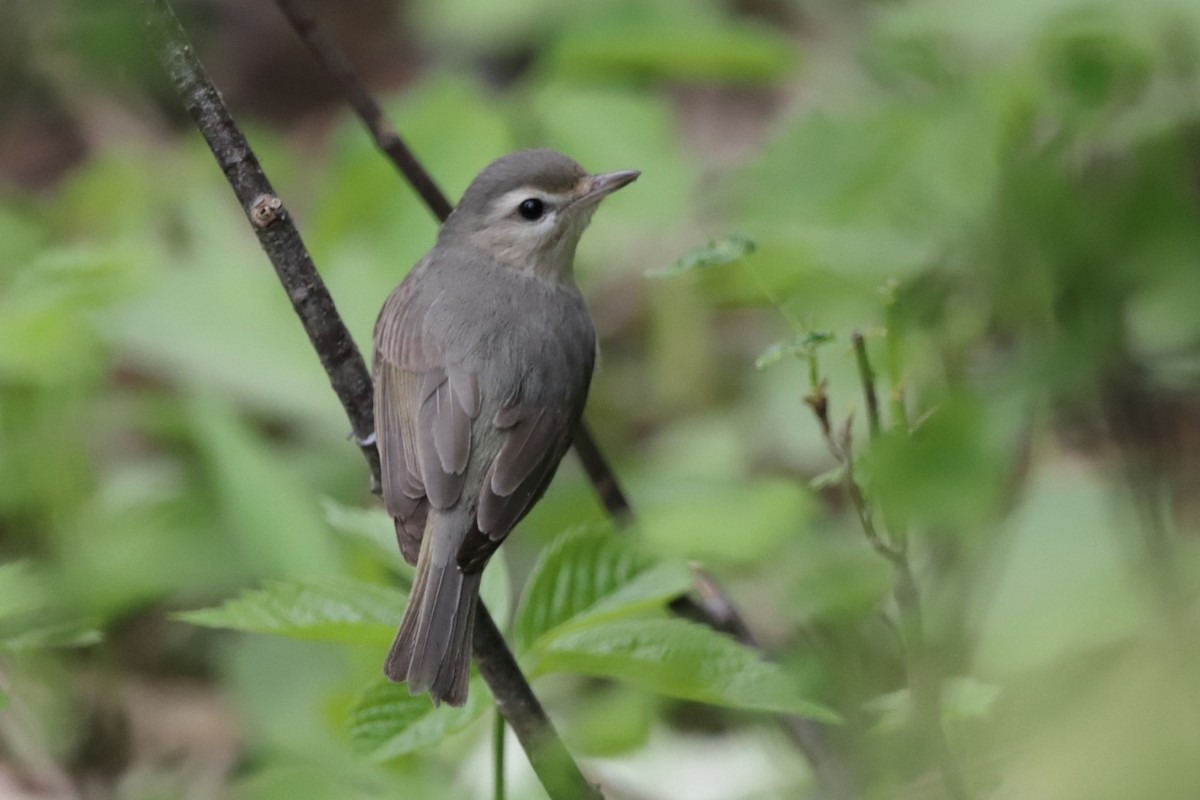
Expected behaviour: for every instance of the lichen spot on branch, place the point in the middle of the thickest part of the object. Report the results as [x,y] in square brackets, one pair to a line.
[265,209]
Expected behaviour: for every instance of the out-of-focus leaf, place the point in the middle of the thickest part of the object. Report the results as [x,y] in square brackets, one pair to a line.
[1064,587]
[679,659]
[715,252]
[588,576]
[28,617]
[23,236]
[20,591]
[610,720]
[962,699]
[604,128]
[333,609]
[495,590]
[46,331]
[736,521]
[46,630]
[370,525]
[829,477]
[481,25]
[718,50]
[387,721]
[797,347]
[950,470]
[260,494]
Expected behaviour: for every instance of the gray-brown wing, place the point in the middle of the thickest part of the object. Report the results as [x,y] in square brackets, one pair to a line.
[423,415]
[535,439]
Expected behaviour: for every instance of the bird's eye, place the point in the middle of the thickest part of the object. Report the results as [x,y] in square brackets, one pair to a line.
[531,209]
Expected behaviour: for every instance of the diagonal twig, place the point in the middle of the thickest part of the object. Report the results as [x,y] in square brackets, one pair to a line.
[345,367]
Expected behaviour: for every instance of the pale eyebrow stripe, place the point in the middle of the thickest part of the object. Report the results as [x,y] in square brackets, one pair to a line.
[510,199]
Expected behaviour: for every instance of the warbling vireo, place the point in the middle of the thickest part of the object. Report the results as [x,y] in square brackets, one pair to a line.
[483,356]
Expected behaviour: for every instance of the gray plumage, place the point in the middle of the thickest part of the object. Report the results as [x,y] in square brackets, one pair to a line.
[483,357]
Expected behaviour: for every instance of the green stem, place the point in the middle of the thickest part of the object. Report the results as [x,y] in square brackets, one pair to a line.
[866,376]
[498,758]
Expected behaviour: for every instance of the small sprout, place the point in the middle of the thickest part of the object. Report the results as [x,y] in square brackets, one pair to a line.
[831,477]
[715,252]
[804,346]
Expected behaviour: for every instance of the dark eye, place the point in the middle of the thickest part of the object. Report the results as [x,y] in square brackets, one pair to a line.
[531,209]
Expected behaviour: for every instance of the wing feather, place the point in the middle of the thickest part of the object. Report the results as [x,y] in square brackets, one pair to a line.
[423,416]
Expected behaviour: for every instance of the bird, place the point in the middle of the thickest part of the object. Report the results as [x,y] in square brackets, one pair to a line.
[482,360]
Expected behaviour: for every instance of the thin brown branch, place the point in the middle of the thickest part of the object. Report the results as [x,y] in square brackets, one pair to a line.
[382,132]
[603,479]
[840,448]
[344,365]
[552,763]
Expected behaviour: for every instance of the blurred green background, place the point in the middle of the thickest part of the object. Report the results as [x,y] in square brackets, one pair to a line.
[1004,198]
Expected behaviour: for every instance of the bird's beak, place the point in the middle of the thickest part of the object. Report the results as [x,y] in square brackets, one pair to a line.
[608,182]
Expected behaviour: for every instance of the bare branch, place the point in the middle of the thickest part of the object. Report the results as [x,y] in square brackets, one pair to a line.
[386,138]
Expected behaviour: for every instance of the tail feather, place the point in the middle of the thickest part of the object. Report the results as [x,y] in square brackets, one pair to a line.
[432,650]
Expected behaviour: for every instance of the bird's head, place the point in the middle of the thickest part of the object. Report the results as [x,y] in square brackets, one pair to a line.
[528,209]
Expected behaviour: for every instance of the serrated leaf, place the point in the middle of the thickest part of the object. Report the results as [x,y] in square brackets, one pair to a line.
[681,659]
[587,576]
[713,253]
[802,346]
[386,721]
[333,609]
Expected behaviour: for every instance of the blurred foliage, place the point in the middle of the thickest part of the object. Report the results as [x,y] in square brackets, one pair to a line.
[1002,197]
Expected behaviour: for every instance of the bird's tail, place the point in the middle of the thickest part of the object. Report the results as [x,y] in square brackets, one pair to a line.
[432,651]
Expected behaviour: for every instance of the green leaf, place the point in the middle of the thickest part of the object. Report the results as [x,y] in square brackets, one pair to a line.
[680,659]
[804,346]
[587,576]
[495,590]
[830,477]
[259,492]
[962,699]
[370,525]
[28,618]
[47,630]
[725,51]
[732,521]
[715,252]
[332,609]
[386,721]
[20,591]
